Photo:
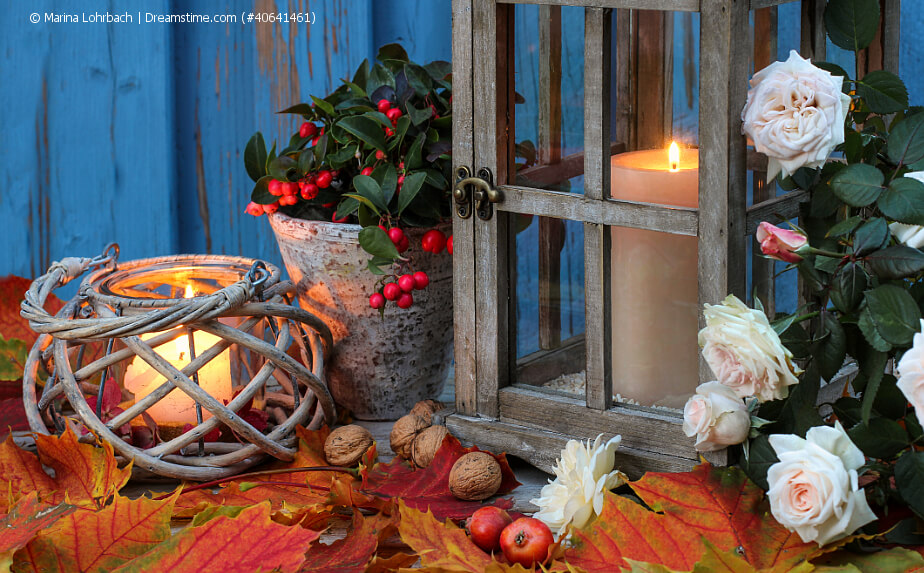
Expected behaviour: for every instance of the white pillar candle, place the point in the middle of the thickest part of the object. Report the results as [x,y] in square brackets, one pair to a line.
[654,283]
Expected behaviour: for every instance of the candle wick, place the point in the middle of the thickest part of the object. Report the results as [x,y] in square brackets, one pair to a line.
[182,355]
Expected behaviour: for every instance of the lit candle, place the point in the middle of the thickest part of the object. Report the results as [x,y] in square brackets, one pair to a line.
[654,282]
[176,407]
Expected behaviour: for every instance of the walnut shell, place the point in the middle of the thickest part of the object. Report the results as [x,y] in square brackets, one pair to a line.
[426,444]
[475,476]
[403,433]
[426,408]
[346,445]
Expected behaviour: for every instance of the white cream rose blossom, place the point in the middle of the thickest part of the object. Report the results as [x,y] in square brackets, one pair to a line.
[716,416]
[911,374]
[813,488]
[744,351]
[910,235]
[583,474]
[795,114]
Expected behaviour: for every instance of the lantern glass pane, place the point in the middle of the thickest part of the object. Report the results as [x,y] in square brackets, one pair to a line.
[548,290]
[548,118]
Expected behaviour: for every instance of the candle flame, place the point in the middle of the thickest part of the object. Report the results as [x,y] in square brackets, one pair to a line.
[189,292]
[673,157]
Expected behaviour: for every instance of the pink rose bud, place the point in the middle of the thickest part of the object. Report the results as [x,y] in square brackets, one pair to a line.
[780,244]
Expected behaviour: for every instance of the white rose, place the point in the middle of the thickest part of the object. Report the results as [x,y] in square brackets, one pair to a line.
[744,351]
[795,114]
[911,235]
[911,374]
[813,488]
[716,416]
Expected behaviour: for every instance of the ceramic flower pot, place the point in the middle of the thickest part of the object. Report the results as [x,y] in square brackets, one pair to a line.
[380,368]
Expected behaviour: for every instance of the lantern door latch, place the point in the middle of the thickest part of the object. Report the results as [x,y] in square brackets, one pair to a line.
[477,194]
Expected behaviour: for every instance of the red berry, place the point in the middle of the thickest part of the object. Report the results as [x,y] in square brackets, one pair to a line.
[396,235]
[276,188]
[405,300]
[376,301]
[324,179]
[271,208]
[403,245]
[335,173]
[391,291]
[334,218]
[433,111]
[289,188]
[449,244]
[436,240]
[380,154]
[384,105]
[486,525]
[401,165]
[526,541]
[407,283]
[366,171]
[307,129]
[389,131]
[401,180]
[393,114]
[309,191]
[284,200]
[421,280]
[329,205]
[254,209]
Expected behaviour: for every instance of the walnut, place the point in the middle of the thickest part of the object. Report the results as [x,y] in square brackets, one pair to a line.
[426,408]
[425,445]
[475,476]
[346,445]
[403,433]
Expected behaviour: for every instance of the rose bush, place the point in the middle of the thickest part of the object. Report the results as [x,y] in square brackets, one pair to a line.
[744,352]
[814,487]
[911,374]
[909,235]
[716,416]
[795,114]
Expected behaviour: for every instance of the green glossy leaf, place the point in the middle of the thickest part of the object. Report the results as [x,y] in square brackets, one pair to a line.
[797,341]
[418,79]
[366,216]
[848,286]
[872,366]
[906,140]
[358,91]
[367,130]
[832,68]
[370,189]
[410,189]
[852,24]
[883,92]
[283,168]
[375,241]
[260,194]
[871,236]
[881,438]
[379,76]
[392,51]
[438,69]
[300,109]
[870,332]
[903,201]
[760,457]
[832,348]
[844,227]
[896,262]
[847,410]
[347,206]
[356,103]
[361,75]
[389,183]
[419,116]
[305,161]
[895,313]
[255,157]
[374,268]
[909,477]
[858,185]
[323,105]
[380,117]
[414,160]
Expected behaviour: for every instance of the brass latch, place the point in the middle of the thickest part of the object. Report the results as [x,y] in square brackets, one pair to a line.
[476,193]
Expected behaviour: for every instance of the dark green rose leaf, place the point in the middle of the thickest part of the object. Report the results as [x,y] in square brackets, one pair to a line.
[871,236]
[906,140]
[909,477]
[858,185]
[883,92]
[832,68]
[255,157]
[881,438]
[895,313]
[852,24]
[845,227]
[760,457]
[896,262]
[903,201]
[871,333]
[375,241]
[831,349]
[848,286]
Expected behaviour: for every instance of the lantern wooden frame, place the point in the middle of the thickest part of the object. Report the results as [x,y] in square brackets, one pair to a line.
[491,409]
[248,292]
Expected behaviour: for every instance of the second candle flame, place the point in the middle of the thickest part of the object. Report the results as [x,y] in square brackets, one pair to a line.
[673,157]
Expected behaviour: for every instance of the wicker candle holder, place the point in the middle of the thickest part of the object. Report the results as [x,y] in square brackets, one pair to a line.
[128,313]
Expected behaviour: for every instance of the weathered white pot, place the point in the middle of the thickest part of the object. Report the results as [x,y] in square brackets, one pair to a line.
[379,369]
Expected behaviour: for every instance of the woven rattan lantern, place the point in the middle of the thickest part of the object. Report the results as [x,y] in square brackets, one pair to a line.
[583,252]
[202,341]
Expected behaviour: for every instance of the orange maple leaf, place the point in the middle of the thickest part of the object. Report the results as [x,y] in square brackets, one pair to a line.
[440,545]
[234,540]
[707,512]
[88,540]
[23,522]
[353,553]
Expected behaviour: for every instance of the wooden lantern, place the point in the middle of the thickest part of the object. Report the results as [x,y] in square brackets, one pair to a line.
[502,399]
[194,361]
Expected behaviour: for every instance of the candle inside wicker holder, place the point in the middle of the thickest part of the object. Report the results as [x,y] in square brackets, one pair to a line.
[131,317]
